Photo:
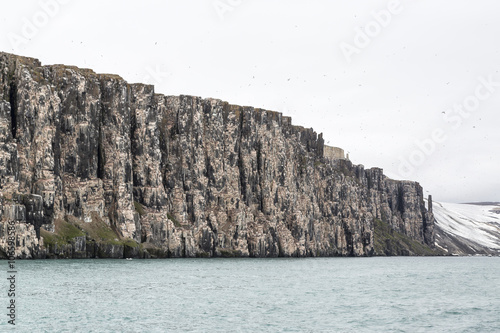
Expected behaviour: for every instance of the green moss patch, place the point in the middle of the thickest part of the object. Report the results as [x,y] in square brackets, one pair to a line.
[202,254]
[97,231]
[139,209]
[228,253]
[64,233]
[130,243]
[388,242]
[50,239]
[173,219]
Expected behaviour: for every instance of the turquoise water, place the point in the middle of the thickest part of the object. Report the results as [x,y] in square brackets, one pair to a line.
[258,295]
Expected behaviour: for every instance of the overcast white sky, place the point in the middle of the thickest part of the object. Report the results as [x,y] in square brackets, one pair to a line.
[414,89]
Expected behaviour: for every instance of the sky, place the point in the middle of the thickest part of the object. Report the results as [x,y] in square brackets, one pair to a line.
[412,87]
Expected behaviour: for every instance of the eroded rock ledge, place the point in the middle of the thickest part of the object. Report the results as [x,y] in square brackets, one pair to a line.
[179,176]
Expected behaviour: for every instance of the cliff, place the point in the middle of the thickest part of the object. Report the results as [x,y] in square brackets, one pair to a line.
[92,166]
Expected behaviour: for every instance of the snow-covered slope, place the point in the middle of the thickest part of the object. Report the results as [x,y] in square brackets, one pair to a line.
[467,228]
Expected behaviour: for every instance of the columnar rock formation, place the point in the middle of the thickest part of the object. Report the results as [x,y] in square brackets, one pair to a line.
[187,175]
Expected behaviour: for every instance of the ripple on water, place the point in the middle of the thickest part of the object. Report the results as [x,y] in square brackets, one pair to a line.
[265,295]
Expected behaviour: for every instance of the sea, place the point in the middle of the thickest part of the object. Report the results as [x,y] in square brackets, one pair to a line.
[380,294]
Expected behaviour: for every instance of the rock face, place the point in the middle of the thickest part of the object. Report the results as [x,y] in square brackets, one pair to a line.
[190,176]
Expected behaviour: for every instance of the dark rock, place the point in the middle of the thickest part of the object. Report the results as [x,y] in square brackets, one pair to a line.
[107,250]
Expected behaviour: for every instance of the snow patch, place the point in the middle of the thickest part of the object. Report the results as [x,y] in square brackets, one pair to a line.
[476,223]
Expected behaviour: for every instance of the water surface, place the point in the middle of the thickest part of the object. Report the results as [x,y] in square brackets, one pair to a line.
[398,294]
